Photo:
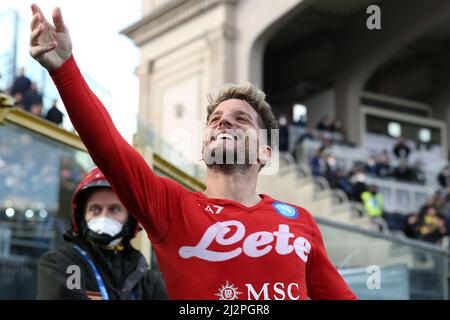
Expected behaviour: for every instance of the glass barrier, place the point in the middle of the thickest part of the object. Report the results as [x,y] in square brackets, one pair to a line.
[37,180]
[147,136]
[384,267]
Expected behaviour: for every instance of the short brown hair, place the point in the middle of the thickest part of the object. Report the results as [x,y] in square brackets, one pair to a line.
[250,94]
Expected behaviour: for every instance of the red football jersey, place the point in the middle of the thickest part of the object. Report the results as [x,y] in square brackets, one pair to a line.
[206,248]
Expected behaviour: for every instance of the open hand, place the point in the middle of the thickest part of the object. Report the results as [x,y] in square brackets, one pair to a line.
[50,44]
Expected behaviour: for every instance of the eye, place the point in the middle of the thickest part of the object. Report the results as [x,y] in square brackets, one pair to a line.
[95,210]
[115,209]
[213,119]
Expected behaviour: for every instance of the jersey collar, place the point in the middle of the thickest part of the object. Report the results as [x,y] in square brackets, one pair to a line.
[265,199]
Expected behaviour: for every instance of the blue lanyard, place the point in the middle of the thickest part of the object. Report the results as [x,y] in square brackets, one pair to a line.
[98,277]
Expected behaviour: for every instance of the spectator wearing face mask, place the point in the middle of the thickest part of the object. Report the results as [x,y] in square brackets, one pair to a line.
[98,246]
[331,168]
[359,185]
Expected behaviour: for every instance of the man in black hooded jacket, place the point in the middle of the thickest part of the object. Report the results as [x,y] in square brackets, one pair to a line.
[98,263]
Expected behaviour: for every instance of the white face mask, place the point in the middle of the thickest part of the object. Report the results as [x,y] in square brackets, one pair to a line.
[105,225]
[360,177]
[332,162]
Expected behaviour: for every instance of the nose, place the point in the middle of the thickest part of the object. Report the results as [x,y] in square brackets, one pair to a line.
[104,212]
[225,121]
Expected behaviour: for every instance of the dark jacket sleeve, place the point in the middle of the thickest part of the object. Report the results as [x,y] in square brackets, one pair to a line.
[56,278]
[154,287]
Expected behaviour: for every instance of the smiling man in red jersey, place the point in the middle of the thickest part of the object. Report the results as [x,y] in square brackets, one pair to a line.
[227,242]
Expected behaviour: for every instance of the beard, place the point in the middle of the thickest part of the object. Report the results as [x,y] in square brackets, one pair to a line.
[229,169]
[228,161]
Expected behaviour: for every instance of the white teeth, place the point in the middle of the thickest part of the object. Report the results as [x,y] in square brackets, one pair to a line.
[225,136]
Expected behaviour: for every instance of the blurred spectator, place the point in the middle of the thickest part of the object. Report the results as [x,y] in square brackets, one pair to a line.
[446,209]
[18,100]
[21,84]
[300,121]
[32,97]
[359,185]
[447,199]
[428,225]
[308,134]
[383,164]
[371,166]
[373,202]
[344,183]
[401,149]
[284,134]
[337,131]
[325,139]
[325,124]
[317,163]
[439,199]
[417,172]
[53,114]
[444,177]
[403,172]
[36,109]
[331,168]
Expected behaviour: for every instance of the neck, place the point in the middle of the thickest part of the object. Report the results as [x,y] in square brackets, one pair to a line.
[234,185]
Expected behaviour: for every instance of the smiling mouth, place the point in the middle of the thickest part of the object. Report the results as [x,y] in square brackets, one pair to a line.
[224,136]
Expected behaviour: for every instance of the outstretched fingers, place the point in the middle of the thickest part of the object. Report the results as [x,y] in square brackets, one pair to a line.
[58,20]
[35,9]
[35,35]
[35,21]
[38,50]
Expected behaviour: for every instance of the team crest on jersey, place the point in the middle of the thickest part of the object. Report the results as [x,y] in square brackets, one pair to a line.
[285,210]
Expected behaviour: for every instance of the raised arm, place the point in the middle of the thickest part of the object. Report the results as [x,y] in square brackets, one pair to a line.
[151,199]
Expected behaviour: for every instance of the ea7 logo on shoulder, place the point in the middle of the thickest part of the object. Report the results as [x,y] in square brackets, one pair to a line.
[213,209]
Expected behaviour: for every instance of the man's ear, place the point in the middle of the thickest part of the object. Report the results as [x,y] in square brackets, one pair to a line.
[264,154]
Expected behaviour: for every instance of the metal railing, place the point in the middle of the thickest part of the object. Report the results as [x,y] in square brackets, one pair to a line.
[358,252]
[401,197]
